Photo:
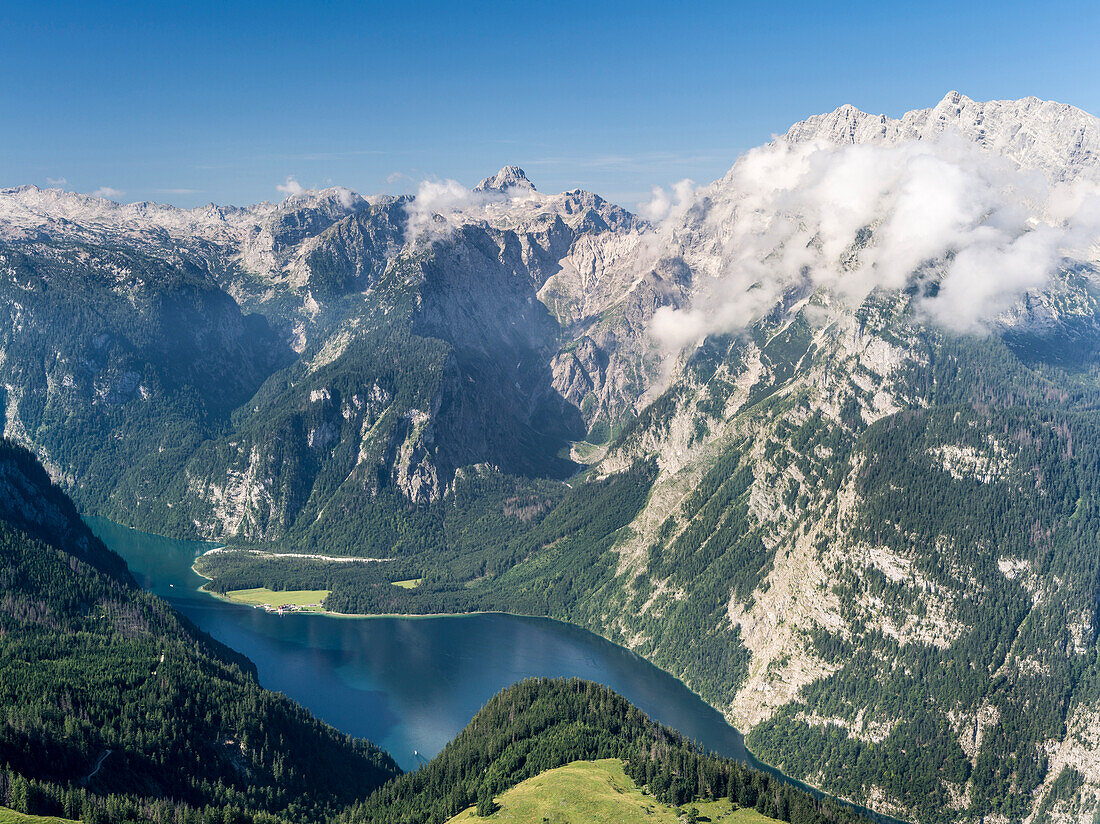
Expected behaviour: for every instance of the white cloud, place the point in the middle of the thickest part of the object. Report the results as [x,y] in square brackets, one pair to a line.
[677,328]
[56,181]
[434,204]
[438,203]
[108,192]
[856,218]
[290,186]
[347,196]
[665,205]
[657,208]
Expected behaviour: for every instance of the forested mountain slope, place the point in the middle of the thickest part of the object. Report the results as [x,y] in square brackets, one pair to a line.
[117,708]
[540,724]
[137,362]
[905,591]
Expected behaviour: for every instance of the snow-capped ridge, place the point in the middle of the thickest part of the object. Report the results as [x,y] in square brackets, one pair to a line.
[1057,139]
[29,209]
[331,197]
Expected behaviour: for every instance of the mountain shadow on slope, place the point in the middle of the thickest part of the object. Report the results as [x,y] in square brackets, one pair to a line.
[498,403]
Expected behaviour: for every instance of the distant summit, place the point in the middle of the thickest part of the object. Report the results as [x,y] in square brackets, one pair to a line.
[510,177]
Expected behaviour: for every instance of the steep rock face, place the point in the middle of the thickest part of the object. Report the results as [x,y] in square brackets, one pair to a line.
[498,404]
[351,255]
[818,555]
[316,267]
[439,356]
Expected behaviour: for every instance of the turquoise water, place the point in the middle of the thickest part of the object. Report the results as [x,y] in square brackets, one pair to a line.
[409,684]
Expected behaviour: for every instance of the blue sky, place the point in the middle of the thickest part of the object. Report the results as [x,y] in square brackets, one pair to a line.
[208,101]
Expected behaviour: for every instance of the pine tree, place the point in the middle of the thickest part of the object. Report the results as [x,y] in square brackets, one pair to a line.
[18,794]
[485,804]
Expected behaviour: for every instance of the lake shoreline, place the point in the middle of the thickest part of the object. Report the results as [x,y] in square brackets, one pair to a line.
[750,758]
[408,616]
[577,631]
[327,613]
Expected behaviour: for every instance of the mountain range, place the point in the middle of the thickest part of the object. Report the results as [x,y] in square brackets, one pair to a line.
[820,438]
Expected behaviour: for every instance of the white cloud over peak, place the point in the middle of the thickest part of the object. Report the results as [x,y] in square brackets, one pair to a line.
[108,192]
[437,204]
[290,186]
[858,217]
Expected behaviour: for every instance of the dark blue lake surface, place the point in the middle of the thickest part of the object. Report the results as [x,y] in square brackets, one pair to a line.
[409,684]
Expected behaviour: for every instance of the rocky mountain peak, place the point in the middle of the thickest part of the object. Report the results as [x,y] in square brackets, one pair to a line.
[332,198]
[1055,138]
[510,177]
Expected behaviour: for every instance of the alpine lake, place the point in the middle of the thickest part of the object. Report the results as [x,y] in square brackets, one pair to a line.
[409,684]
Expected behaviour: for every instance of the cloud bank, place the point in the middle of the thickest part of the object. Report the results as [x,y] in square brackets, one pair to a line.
[860,217]
[439,205]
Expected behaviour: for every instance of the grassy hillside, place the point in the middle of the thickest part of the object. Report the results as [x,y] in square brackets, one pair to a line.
[598,792]
[542,725]
[308,599]
[9,816]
